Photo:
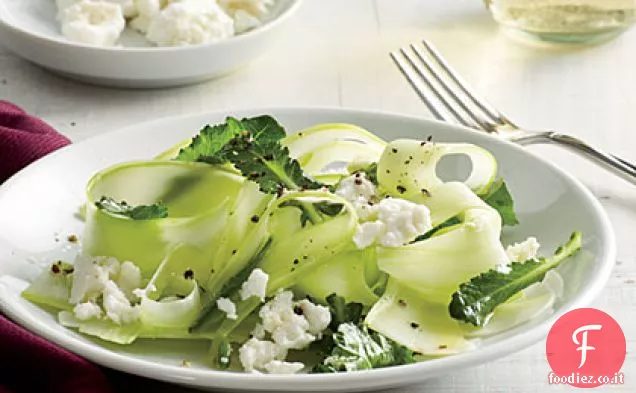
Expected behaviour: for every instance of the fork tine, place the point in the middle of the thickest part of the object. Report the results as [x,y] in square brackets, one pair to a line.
[480,102]
[452,92]
[437,95]
[422,91]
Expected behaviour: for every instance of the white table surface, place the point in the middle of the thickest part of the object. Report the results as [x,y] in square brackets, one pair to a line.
[336,54]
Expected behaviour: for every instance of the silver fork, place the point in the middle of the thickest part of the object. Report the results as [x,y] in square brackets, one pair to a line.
[449,98]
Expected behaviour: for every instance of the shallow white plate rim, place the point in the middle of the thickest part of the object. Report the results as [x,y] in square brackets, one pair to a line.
[384,377]
[158,49]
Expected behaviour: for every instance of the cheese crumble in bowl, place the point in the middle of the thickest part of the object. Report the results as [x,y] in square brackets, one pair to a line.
[142,43]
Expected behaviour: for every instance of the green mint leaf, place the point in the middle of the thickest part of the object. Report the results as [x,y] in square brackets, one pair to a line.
[141,212]
[475,300]
[499,197]
[343,312]
[357,348]
[448,223]
[205,147]
[261,158]
[253,146]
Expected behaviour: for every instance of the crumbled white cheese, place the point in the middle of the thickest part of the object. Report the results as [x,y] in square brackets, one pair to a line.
[258,331]
[128,7]
[129,278]
[288,329]
[141,23]
[318,316]
[190,22]
[244,21]
[362,194]
[255,285]
[93,22]
[281,367]
[523,251]
[117,306]
[357,189]
[255,354]
[147,10]
[398,222]
[111,265]
[368,233]
[143,292]
[227,306]
[87,310]
[95,277]
[291,325]
[89,278]
[404,220]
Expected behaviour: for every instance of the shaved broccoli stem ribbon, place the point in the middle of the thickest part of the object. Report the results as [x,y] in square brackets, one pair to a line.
[220,328]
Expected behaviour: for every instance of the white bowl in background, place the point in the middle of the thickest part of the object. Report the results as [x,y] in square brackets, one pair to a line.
[550,204]
[28,29]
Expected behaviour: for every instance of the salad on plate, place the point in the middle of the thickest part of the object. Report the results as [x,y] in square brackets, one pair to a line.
[326,250]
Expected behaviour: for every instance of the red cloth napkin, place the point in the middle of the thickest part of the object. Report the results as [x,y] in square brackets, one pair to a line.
[28,363]
[23,139]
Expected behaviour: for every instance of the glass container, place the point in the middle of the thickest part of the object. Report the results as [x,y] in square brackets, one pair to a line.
[572,21]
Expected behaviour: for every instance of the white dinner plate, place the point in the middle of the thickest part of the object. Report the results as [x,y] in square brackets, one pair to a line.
[38,210]
[29,29]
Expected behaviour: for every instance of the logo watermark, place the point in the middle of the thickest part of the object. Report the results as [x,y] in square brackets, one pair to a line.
[575,379]
[586,348]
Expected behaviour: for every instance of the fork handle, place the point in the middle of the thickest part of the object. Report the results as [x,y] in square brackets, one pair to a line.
[616,165]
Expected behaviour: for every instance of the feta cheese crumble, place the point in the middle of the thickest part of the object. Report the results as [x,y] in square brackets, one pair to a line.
[89,278]
[93,22]
[361,192]
[288,329]
[117,306]
[163,22]
[290,325]
[397,222]
[368,233]
[523,251]
[255,354]
[146,11]
[391,222]
[255,285]
[317,316]
[227,306]
[104,278]
[86,311]
[258,331]
[129,278]
[190,22]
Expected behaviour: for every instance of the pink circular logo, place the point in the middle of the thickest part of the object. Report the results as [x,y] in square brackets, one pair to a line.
[586,348]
